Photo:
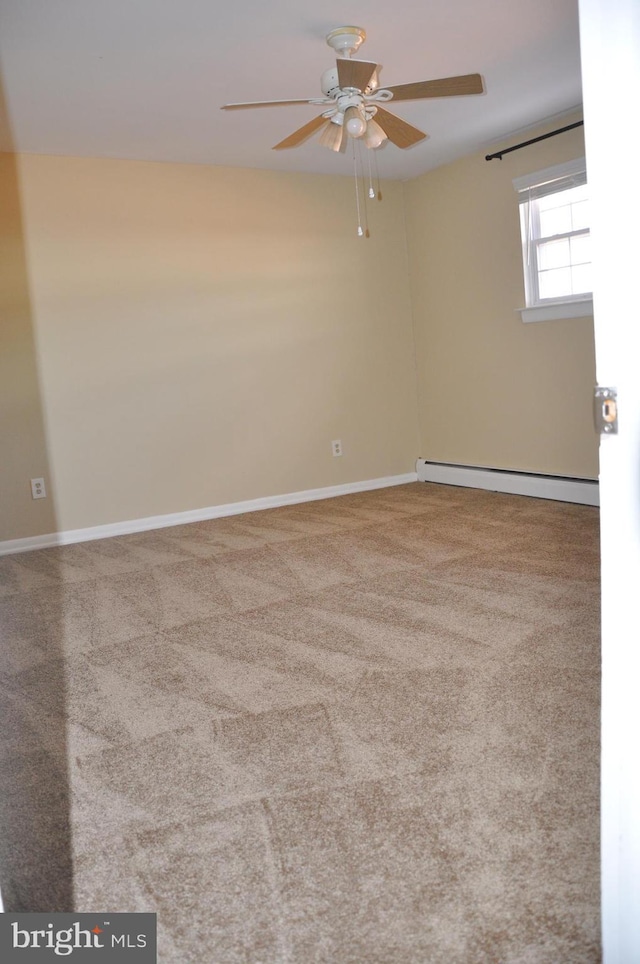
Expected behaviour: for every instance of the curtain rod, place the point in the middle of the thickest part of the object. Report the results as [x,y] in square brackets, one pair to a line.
[534,140]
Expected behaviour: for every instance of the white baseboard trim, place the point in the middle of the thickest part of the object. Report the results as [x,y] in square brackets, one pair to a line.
[583,491]
[198,515]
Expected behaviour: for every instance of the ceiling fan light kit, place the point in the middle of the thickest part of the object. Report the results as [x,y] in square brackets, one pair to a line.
[353,100]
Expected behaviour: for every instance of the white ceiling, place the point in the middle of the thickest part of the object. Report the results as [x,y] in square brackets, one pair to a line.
[145,78]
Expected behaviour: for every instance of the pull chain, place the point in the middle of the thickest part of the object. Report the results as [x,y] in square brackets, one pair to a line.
[364,192]
[372,193]
[355,181]
[375,162]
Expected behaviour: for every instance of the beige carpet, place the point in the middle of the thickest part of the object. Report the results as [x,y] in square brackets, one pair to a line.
[358,730]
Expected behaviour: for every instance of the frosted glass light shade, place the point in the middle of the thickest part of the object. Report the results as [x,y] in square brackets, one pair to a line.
[374,135]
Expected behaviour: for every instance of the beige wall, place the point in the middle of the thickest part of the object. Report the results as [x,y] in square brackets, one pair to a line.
[176,336]
[23,449]
[204,333]
[492,390]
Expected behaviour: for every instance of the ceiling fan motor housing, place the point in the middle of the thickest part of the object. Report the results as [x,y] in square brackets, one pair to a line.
[329,83]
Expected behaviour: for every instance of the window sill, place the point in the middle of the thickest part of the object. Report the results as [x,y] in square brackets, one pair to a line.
[557,310]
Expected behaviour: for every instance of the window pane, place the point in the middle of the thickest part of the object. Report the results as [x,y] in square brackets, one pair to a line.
[580,215]
[575,194]
[581,249]
[554,254]
[555,221]
[581,279]
[555,283]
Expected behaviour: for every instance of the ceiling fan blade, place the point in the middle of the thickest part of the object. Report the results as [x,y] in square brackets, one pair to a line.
[397,130]
[302,133]
[355,73]
[266,103]
[444,87]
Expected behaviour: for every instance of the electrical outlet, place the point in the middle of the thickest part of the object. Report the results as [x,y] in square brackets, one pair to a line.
[336,447]
[38,490]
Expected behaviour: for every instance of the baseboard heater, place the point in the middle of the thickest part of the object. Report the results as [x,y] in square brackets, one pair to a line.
[583,491]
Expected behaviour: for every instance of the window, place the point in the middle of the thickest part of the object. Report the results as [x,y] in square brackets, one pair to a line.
[556,242]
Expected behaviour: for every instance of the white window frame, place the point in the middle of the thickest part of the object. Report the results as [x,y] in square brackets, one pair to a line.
[531,187]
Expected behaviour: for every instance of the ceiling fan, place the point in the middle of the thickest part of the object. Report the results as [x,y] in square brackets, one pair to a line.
[354,100]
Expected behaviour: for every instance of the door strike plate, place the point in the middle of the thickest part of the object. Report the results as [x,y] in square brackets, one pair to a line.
[606,410]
